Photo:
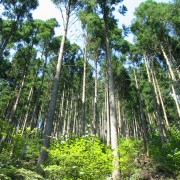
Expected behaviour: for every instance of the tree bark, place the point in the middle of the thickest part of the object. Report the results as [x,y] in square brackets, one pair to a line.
[155,100]
[95,100]
[18,98]
[27,112]
[143,120]
[108,118]
[159,121]
[162,102]
[83,95]
[172,77]
[112,106]
[38,94]
[49,121]
[69,132]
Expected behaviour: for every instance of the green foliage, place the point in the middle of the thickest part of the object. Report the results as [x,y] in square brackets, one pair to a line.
[27,174]
[129,150]
[17,159]
[7,173]
[4,127]
[79,158]
[168,156]
[25,147]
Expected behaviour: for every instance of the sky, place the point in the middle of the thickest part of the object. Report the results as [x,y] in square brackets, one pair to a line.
[47,10]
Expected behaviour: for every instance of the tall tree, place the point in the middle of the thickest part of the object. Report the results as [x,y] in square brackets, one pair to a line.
[69,7]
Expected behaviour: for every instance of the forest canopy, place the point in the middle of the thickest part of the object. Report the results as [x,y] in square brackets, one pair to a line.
[107,108]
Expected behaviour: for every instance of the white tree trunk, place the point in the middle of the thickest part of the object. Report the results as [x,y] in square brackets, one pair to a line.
[113,119]
[95,100]
[173,79]
[83,95]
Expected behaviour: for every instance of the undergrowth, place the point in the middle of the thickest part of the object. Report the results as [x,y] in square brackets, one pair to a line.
[88,158]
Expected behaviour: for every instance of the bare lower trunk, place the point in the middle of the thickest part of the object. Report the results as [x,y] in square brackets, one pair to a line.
[156,101]
[38,95]
[17,99]
[75,120]
[64,132]
[49,121]
[108,118]
[162,102]
[83,95]
[95,101]
[159,121]
[119,119]
[143,120]
[112,106]
[61,111]
[69,132]
[27,112]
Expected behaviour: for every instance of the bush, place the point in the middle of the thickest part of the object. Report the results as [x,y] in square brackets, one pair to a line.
[168,156]
[25,174]
[129,150]
[79,158]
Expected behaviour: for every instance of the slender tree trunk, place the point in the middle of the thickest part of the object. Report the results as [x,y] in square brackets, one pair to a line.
[119,119]
[156,101]
[108,118]
[83,95]
[161,100]
[49,121]
[60,122]
[27,112]
[69,132]
[112,105]
[95,101]
[159,121]
[143,120]
[172,77]
[75,119]
[38,94]
[104,125]
[18,98]
[123,122]
[65,116]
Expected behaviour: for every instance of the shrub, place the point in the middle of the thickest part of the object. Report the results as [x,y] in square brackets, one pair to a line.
[79,158]
[25,174]
[168,156]
[129,150]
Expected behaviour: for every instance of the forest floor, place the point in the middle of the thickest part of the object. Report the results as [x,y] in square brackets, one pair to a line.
[149,170]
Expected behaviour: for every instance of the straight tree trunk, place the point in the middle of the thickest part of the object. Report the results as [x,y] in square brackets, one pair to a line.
[38,94]
[159,121]
[95,100]
[108,118]
[27,112]
[59,119]
[75,119]
[65,116]
[162,102]
[119,119]
[69,132]
[49,121]
[143,120]
[156,101]
[83,95]
[18,98]
[172,77]
[116,175]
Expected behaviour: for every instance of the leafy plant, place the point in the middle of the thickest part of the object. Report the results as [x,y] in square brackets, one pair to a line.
[27,175]
[168,156]
[79,158]
[129,150]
